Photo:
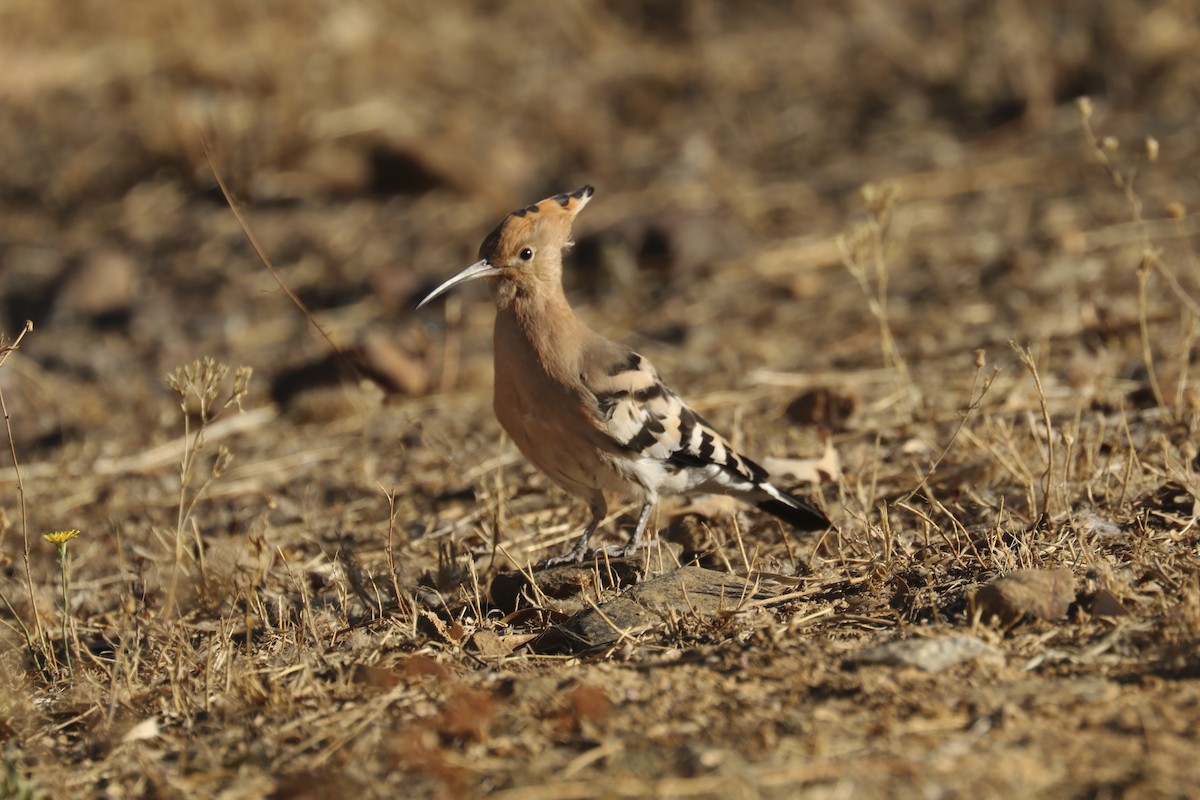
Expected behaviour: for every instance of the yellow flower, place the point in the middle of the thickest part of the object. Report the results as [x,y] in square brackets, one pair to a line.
[60,537]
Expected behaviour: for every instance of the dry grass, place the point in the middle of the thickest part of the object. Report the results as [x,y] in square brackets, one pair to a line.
[1012,314]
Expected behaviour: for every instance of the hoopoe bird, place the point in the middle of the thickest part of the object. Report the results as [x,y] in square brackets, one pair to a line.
[591,413]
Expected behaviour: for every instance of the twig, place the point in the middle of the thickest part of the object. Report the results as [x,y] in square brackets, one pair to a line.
[973,404]
[1151,255]
[258,250]
[1143,274]
[39,632]
[1027,360]
[880,200]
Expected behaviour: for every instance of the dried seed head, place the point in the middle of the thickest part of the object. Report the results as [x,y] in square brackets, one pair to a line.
[1110,143]
[1176,210]
[1151,148]
[1147,262]
[222,461]
[1084,104]
[880,198]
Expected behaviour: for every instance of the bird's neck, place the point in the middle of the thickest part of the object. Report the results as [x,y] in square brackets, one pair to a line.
[545,322]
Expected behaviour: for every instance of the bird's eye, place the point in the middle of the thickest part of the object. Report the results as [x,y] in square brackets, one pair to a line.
[526,253]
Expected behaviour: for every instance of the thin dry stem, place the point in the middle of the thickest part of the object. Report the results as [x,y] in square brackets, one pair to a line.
[973,404]
[1027,359]
[42,647]
[199,387]
[1143,274]
[1151,259]
[869,242]
[259,251]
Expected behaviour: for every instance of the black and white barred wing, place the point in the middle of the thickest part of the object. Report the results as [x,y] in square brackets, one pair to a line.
[670,448]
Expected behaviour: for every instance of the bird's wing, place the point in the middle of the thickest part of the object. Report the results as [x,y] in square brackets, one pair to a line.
[640,416]
[637,416]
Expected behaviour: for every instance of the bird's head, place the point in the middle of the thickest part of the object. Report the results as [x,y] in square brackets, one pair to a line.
[524,252]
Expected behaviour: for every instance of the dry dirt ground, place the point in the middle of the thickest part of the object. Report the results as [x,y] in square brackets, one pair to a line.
[988,354]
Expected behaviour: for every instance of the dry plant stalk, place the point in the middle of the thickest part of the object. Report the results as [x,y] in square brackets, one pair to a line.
[864,245]
[199,386]
[404,603]
[1027,359]
[1151,259]
[259,251]
[973,404]
[1143,274]
[1177,212]
[36,642]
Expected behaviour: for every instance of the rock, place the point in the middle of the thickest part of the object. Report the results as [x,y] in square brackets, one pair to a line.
[559,589]
[685,591]
[931,655]
[337,169]
[824,407]
[1106,604]
[1033,593]
[153,210]
[390,366]
[317,390]
[102,285]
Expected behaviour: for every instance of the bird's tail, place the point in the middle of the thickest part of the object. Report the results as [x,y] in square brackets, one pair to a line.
[800,514]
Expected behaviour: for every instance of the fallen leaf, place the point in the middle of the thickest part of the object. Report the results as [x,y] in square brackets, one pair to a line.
[146,729]
[1106,604]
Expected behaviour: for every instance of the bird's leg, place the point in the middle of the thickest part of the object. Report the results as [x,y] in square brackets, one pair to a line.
[580,550]
[635,542]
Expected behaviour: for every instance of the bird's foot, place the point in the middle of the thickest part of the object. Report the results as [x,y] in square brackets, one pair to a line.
[580,554]
[576,555]
[631,550]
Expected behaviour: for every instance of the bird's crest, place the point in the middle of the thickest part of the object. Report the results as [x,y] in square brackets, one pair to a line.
[553,215]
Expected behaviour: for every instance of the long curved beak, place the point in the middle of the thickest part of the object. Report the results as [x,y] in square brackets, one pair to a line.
[480,269]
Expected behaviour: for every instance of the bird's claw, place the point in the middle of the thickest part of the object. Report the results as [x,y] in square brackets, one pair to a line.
[630,550]
[579,555]
[562,561]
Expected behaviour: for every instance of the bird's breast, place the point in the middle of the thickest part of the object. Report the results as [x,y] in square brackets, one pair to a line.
[546,413]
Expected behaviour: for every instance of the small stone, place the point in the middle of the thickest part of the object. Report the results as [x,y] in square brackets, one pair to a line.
[103,284]
[374,367]
[390,366]
[824,406]
[1105,604]
[338,169]
[931,655]
[1034,593]
[685,591]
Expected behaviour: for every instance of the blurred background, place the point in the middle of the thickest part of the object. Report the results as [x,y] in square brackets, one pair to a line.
[372,145]
[775,182]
